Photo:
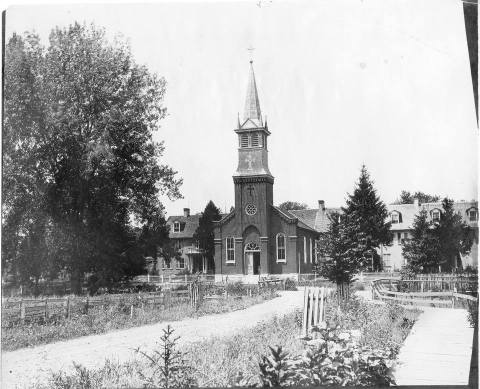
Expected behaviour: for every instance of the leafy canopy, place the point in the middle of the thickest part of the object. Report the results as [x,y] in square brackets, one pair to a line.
[82,172]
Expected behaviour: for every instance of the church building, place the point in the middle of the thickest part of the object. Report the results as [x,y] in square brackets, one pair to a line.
[256,238]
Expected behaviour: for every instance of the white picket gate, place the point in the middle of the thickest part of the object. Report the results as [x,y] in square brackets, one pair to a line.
[315,299]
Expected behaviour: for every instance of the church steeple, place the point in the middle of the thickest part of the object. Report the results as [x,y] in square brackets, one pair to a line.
[252,104]
[252,135]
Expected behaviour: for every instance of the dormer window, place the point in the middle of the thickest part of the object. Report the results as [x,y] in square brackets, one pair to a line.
[472,214]
[176,227]
[435,215]
[396,217]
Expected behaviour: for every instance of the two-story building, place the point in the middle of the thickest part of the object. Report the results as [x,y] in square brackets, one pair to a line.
[184,252]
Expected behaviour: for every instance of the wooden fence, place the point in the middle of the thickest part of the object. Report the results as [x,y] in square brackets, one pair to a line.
[314,303]
[389,290]
[20,310]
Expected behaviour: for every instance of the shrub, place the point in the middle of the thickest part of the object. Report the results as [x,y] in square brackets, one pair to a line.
[290,284]
[473,313]
[334,359]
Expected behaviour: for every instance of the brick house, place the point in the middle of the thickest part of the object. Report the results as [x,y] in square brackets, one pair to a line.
[256,238]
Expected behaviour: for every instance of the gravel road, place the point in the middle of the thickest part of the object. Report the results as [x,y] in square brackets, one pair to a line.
[21,368]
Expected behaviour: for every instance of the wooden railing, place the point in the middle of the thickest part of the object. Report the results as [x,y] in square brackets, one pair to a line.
[391,290]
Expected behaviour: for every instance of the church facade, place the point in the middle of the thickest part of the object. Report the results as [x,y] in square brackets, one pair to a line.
[256,238]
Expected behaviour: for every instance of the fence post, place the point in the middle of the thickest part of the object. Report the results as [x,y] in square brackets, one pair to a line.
[162,278]
[86,307]
[67,308]
[22,311]
[186,278]
[46,309]
[131,311]
[148,278]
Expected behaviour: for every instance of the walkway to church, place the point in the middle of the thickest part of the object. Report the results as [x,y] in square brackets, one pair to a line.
[26,366]
[438,349]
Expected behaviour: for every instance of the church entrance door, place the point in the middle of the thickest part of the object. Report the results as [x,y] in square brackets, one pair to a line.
[252,258]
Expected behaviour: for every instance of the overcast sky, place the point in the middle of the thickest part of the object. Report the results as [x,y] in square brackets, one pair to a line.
[385,83]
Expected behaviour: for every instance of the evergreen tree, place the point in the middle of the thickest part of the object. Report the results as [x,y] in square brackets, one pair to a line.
[365,208]
[454,235]
[342,249]
[204,233]
[421,251]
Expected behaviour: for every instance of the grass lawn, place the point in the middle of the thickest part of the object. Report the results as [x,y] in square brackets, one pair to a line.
[114,317]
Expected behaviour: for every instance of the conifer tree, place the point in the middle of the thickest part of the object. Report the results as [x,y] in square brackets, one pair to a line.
[204,233]
[365,208]
[421,250]
[454,235]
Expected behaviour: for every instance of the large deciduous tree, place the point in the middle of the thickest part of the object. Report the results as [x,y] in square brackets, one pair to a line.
[289,205]
[204,233]
[78,148]
[408,198]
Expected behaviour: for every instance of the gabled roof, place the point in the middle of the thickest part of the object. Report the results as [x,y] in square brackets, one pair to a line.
[316,219]
[409,211]
[293,218]
[191,223]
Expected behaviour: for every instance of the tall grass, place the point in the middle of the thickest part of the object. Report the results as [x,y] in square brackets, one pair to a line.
[234,360]
[114,317]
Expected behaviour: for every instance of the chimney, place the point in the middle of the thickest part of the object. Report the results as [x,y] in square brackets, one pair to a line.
[415,202]
[186,212]
[321,205]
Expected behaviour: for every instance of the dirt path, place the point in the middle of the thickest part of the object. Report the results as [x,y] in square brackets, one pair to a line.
[22,368]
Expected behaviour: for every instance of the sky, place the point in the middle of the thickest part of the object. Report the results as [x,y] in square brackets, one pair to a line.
[343,83]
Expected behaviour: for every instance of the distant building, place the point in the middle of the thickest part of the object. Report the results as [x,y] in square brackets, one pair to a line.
[188,255]
[402,217]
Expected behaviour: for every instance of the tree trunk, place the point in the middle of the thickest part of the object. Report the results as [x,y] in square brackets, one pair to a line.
[343,291]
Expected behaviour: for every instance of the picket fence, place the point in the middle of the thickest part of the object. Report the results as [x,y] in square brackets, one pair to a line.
[314,302]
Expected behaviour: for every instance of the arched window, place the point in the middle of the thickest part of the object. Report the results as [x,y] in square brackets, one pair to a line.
[255,139]
[230,249]
[281,248]
[396,217]
[244,140]
[176,227]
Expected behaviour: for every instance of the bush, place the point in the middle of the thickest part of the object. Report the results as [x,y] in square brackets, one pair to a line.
[290,284]
[334,359]
[473,313]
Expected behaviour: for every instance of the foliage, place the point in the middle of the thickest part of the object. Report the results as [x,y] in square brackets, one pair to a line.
[366,209]
[408,198]
[436,245]
[343,248]
[472,317]
[292,205]
[115,315]
[204,233]
[421,250]
[455,237]
[168,366]
[81,170]
[81,378]
[334,359]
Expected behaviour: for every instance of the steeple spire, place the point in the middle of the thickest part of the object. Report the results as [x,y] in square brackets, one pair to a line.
[252,104]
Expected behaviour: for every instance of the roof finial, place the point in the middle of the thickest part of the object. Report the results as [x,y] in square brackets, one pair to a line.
[250,50]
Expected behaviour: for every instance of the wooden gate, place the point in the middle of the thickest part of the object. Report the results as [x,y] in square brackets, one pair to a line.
[314,302]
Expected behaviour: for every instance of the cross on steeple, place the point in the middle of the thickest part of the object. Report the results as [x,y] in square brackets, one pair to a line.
[250,50]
